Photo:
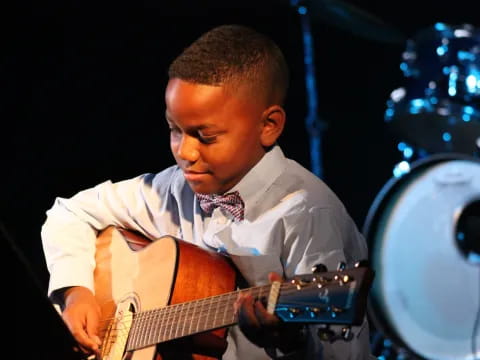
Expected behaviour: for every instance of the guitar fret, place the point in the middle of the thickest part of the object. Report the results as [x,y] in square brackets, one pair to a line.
[137,332]
[168,327]
[191,319]
[163,317]
[147,333]
[207,321]
[228,306]
[232,298]
[151,336]
[200,306]
[187,321]
[154,319]
[223,316]
[179,319]
[177,323]
[163,335]
[216,312]
[145,328]
[141,335]
[157,326]
[179,313]
[206,310]
[184,320]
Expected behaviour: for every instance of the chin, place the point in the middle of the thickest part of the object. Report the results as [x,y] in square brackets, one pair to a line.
[202,188]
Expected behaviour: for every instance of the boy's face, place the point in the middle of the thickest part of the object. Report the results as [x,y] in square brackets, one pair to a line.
[215,136]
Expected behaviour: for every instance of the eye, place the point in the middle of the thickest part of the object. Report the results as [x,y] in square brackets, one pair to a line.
[173,129]
[206,138]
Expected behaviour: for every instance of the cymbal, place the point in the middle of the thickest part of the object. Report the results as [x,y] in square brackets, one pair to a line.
[345,16]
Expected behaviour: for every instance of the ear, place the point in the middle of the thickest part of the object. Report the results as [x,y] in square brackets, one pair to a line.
[273,123]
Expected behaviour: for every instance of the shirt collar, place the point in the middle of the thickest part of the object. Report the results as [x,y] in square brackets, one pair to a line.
[259,179]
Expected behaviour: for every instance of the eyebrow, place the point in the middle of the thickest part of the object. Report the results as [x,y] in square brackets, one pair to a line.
[199,127]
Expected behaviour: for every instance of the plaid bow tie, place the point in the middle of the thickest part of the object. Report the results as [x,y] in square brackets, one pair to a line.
[231,202]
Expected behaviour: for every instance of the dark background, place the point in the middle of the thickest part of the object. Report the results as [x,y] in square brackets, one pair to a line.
[83,82]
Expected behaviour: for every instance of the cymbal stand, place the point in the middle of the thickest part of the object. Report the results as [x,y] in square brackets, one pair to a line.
[312,121]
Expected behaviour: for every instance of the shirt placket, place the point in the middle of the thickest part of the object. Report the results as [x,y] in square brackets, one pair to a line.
[215,232]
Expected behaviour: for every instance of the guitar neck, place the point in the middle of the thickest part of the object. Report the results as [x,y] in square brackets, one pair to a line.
[175,321]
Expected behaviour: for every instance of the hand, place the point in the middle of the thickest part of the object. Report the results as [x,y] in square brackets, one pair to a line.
[82,316]
[262,328]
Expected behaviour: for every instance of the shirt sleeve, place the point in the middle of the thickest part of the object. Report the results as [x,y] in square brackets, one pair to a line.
[70,230]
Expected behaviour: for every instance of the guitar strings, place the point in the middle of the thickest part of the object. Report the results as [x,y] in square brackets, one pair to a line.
[119,329]
[213,300]
[169,315]
[176,315]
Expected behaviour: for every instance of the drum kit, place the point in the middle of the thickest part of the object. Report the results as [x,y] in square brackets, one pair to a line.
[423,228]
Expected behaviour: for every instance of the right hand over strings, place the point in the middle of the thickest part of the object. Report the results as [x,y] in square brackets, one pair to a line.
[82,316]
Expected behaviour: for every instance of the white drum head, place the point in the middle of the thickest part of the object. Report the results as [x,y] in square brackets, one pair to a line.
[426,291]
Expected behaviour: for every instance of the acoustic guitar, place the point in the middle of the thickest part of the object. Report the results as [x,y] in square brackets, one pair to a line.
[172,296]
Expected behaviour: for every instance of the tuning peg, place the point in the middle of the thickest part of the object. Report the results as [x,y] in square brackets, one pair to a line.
[347,333]
[318,268]
[294,312]
[362,263]
[341,266]
[325,333]
[336,310]
[315,311]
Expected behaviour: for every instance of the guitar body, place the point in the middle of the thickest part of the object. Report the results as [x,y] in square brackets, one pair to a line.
[159,273]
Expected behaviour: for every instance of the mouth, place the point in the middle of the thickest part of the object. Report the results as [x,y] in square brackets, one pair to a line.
[191,175]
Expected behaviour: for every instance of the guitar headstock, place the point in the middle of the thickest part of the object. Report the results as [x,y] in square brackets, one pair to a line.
[326,297]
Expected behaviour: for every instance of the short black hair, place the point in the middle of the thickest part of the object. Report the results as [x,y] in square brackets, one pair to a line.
[234,55]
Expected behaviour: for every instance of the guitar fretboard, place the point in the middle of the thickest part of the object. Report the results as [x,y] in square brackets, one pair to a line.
[175,321]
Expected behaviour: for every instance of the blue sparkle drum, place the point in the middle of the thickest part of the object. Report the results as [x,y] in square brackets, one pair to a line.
[438,108]
[423,231]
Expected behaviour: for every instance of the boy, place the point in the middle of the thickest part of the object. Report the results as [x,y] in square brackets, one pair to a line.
[224,109]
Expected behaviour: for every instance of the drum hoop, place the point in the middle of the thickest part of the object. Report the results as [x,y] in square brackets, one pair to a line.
[379,201]
[374,311]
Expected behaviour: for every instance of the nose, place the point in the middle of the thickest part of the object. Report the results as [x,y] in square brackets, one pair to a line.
[188,148]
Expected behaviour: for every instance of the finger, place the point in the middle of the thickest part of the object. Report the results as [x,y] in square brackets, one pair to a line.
[246,313]
[248,321]
[263,316]
[240,299]
[86,344]
[78,330]
[274,276]
[238,302]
